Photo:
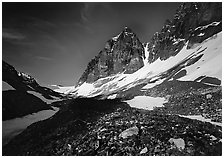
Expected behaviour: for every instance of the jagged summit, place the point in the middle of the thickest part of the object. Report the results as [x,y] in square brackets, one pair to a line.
[121,54]
[127,30]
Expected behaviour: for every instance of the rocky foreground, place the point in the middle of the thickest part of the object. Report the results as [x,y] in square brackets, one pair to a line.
[111,127]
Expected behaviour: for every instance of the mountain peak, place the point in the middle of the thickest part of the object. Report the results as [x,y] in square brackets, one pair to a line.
[127,29]
[124,53]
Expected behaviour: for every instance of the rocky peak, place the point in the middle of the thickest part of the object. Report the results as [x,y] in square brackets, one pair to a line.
[123,53]
[184,27]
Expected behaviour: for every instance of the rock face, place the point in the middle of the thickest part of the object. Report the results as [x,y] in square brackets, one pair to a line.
[193,21]
[123,53]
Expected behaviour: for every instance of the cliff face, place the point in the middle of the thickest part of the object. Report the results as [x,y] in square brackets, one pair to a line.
[123,53]
[193,22]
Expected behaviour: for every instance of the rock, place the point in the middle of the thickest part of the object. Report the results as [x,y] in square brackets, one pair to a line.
[213,137]
[69,147]
[208,96]
[144,150]
[179,143]
[129,132]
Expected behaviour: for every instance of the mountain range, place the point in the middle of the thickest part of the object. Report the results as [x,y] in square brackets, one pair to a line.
[161,97]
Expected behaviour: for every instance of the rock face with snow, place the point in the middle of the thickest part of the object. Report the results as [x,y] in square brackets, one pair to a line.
[123,53]
[188,48]
[193,22]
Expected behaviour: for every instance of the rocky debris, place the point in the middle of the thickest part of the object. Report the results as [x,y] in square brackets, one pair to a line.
[179,143]
[78,130]
[129,132]
[125,53]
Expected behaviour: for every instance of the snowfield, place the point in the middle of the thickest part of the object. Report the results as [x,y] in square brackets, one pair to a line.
[146,102]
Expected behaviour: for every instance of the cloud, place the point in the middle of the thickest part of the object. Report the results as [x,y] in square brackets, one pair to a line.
[88,11]
[43,58]
[85,12]
[10,34]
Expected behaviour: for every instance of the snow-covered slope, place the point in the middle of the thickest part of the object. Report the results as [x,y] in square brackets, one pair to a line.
[202,60]
[64,90]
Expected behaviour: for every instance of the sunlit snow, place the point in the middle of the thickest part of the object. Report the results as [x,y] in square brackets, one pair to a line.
[146,102]
[200,118]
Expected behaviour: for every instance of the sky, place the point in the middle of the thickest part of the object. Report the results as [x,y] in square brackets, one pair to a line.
[53,42]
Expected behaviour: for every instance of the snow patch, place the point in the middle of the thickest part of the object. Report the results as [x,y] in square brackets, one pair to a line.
[206,26]
[145,61]
[146,102]
[6,86]
[85,89]
[64,90]
[201,34]
[201,118]
[113,96]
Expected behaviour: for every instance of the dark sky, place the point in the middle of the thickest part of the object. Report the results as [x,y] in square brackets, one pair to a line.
[54,42]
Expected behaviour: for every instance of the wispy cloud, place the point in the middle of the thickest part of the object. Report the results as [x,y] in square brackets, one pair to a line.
[89,8]
[10,34]
[85,12]
[43,58]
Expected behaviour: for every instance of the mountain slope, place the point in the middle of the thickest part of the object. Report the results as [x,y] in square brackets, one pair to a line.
[24,82]
[23,94]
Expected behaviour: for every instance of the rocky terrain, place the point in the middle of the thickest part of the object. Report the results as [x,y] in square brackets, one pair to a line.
[110,127]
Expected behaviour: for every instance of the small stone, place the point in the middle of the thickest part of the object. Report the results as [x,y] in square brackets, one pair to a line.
[213,137]
[179,143]
[208,96]
[129,132]
[69,147]
[144,150]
